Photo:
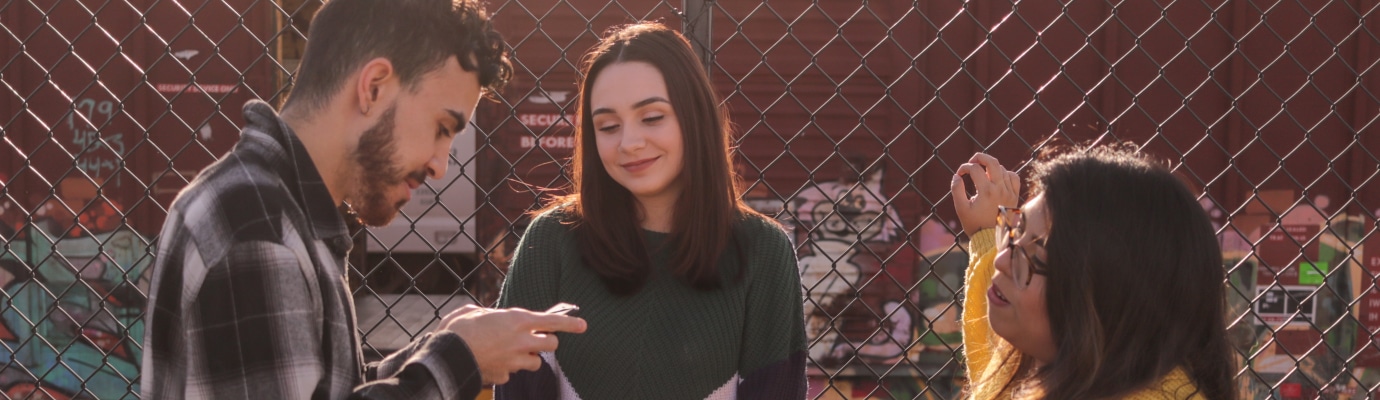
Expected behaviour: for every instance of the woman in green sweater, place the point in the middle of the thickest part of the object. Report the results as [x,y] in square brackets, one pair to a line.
[1107,284]
[689,294]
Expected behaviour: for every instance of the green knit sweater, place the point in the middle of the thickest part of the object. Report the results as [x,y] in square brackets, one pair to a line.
[669,340]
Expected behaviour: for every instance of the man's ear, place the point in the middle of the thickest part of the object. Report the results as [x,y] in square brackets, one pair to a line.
[376,81]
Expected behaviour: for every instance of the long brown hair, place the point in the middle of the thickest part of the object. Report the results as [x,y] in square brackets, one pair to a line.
[1135,284]
[604,214]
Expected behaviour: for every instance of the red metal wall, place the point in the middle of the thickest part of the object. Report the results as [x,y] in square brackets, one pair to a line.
[851,119]
[107,109]
[136,96]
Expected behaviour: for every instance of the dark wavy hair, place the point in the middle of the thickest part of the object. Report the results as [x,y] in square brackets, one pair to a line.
[1135,282]
[417,36]
[604,214]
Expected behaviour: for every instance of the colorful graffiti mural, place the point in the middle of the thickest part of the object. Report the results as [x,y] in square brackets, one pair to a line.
[875,301]
[1308,316]
[72,278]
[882,317]
[841,221]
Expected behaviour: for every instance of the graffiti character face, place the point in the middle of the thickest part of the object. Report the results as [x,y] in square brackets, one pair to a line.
[848,211]
[411,141]
[638,136]
[1016,301]
[849,217]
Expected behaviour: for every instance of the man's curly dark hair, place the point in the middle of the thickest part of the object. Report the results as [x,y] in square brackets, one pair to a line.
[417,36]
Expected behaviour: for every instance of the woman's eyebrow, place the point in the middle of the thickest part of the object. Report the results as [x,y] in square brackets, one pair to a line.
[640,104]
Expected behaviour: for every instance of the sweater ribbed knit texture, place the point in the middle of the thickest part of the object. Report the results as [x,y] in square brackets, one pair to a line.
[669,340]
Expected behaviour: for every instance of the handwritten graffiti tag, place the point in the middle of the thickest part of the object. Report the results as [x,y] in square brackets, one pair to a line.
[88,139]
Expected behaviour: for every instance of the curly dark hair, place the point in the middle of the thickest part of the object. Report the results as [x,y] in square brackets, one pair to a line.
[417,36]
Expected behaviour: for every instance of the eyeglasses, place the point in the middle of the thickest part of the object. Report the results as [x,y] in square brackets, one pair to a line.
[1010,226]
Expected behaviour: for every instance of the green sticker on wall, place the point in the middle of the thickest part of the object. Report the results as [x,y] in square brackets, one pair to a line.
[1312,273]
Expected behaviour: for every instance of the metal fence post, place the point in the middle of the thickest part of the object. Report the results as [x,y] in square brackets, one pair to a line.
[697,25]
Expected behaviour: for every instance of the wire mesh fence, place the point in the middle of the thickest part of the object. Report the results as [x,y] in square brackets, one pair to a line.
[851,117]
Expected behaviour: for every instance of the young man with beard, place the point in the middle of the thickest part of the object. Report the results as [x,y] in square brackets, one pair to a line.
[248,296]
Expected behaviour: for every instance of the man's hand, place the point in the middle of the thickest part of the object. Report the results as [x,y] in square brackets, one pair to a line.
[504,341]
[995,187]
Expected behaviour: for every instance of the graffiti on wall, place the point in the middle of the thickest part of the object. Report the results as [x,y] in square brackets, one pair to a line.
[872,296]
[72,277]
[839,222]
[1296,274]
[98,153]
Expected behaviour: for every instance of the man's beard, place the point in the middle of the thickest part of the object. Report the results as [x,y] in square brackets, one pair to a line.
[377,173]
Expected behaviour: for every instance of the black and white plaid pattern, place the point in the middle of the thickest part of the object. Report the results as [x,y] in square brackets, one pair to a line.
[248,298]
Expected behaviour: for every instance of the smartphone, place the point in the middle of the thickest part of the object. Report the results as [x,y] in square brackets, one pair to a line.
[564,309]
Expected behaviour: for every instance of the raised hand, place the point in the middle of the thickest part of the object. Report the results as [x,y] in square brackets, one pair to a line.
[995,187]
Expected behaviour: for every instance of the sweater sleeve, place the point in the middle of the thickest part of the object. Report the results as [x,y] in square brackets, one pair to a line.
[772,363]
[533,284]
[978,341]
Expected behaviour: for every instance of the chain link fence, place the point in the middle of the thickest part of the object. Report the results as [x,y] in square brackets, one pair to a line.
[851,117]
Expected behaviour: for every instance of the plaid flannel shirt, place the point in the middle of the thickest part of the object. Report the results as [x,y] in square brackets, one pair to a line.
[248,298]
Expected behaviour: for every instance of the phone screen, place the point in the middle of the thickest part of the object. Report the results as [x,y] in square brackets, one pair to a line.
[563,309]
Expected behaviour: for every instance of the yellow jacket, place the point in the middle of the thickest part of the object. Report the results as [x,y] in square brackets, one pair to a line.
[979,341]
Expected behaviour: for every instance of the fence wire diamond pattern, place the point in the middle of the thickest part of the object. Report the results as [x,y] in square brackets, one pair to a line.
[851,117]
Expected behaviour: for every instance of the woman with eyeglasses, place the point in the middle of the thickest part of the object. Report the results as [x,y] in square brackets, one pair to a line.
[1106,284]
